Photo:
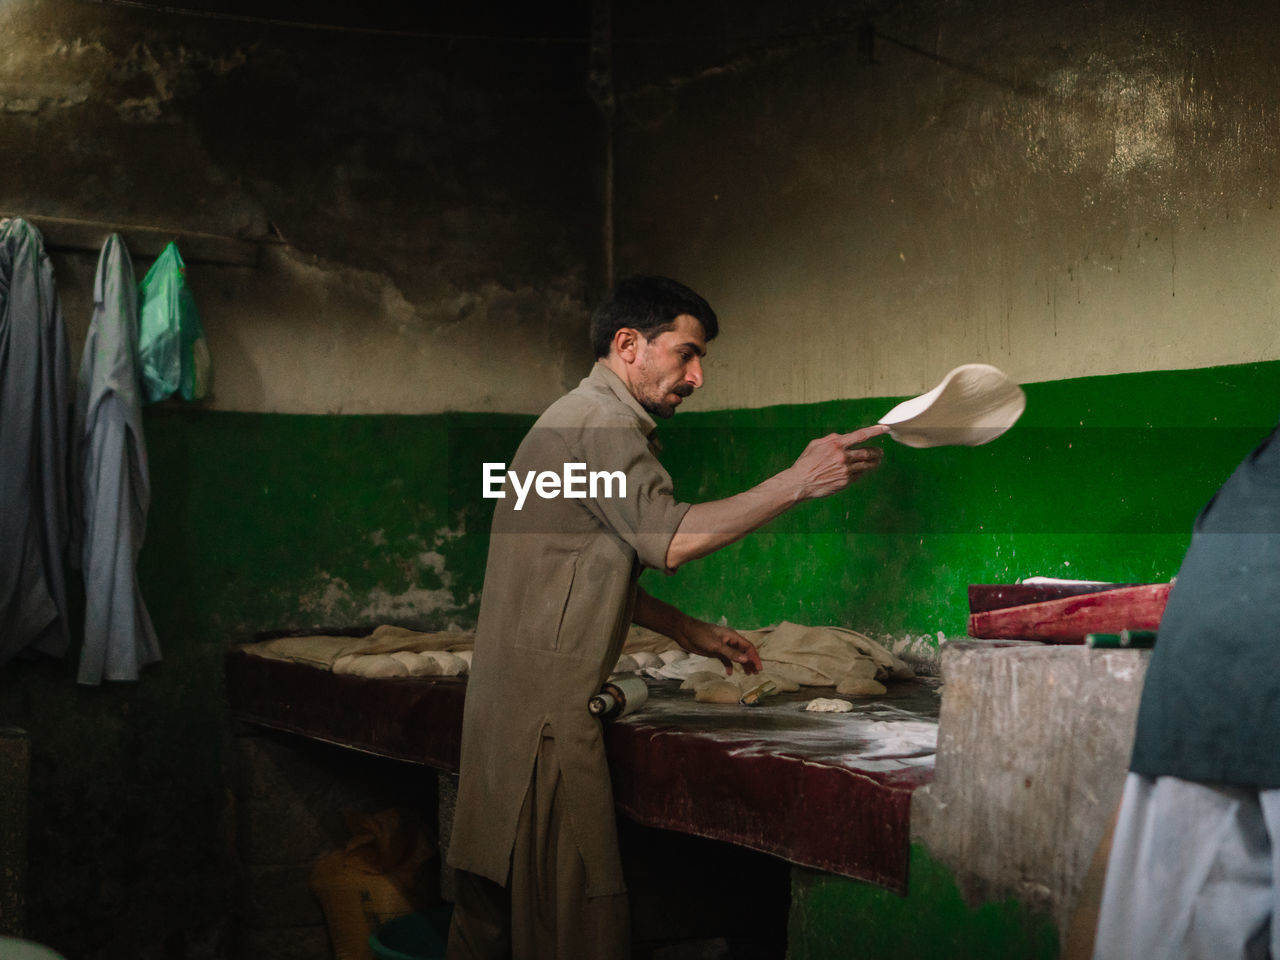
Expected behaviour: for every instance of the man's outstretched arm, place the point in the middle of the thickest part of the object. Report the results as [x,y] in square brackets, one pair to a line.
[827,466]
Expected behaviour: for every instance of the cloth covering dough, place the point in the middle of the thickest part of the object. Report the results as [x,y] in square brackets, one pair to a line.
[974,404]
[791,654]
[408,653]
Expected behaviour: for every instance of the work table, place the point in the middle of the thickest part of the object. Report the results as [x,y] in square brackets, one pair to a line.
[830,791]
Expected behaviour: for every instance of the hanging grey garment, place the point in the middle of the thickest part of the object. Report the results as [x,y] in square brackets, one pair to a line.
[112,457]
[34,436]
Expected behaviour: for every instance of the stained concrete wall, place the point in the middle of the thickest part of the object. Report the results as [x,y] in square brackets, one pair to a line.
[399,219]
[420,201]
[873,193]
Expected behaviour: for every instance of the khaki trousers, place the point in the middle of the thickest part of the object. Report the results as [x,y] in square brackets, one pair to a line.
[544,914]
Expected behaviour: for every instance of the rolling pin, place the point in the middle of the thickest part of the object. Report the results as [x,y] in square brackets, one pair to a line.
[619,697]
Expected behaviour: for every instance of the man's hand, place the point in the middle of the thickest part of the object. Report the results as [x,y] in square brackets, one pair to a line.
[831,463]
[827,466]
[696,636]
[726,645]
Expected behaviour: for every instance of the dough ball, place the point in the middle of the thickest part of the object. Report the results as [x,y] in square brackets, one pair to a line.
[695,680]
[864,668]
[626,664]
[828,705]
[464,656]
[416,663]
[433,664]
[359,665]
[860,687]
[450,664]
[669,657]
[379,665]
[343,664]
[718,691]
[644,659]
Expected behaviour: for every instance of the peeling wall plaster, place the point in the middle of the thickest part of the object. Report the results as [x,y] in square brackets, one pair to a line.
[331,599]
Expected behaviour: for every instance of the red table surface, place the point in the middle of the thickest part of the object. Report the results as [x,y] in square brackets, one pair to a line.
[801,786]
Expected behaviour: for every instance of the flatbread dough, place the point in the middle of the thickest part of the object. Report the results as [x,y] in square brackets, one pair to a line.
[974,404]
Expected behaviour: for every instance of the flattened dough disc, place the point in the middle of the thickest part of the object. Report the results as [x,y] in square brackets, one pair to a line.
[973,404]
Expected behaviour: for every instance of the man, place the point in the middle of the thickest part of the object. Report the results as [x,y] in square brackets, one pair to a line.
[1193,868]
[534,836]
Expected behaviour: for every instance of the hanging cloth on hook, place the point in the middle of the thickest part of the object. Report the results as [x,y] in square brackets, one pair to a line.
[116,488]
[34,427]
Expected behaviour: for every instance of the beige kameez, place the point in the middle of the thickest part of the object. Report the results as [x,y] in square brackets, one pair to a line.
[558,596]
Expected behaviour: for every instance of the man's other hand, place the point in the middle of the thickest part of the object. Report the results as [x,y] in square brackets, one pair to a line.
[726,645]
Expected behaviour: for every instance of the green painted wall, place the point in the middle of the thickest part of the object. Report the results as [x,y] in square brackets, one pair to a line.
[833,918]
[1100,479]
[257,522]
[263,521]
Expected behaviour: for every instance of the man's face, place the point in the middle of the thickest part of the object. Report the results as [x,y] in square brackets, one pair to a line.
[669,367]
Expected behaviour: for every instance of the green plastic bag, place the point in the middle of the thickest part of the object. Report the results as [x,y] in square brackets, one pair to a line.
[171,342]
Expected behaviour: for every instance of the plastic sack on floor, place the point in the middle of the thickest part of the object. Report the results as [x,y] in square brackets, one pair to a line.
[171,344]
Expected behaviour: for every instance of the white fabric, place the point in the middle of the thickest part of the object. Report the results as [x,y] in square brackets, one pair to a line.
[1192,873]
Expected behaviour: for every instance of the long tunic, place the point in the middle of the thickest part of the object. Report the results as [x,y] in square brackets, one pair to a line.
[1210,707]
[559,591]
[111,454]
[34,436]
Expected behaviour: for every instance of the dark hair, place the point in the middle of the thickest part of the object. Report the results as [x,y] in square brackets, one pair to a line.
[650,305]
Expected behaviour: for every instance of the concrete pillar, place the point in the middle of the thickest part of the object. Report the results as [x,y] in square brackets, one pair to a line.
[1033,747]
